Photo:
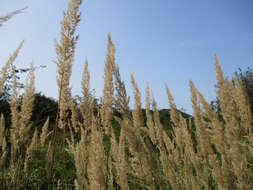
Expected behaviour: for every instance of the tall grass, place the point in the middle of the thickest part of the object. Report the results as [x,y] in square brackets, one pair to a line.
[113,147]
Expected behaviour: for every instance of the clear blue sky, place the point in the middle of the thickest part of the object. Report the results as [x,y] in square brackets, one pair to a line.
[159,41]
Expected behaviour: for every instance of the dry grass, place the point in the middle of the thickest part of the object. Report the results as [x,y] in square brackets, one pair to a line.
[202,152]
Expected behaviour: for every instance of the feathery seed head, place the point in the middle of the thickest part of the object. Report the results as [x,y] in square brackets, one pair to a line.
[44,133]
[107,98]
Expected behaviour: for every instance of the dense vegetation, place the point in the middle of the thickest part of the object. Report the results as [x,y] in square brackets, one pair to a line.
[80,143]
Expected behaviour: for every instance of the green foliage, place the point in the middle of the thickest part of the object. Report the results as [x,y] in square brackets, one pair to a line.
[43,108]
[37,177]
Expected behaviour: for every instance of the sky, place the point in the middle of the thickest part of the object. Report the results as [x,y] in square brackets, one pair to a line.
[159,41]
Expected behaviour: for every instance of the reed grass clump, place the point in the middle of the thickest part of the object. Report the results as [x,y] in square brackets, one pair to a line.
[109,146]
